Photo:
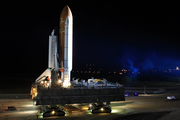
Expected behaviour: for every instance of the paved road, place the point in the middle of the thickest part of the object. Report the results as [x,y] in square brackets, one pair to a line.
[132,105]
[25,109]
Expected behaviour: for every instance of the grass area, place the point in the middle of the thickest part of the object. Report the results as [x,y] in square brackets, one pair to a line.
[144,116]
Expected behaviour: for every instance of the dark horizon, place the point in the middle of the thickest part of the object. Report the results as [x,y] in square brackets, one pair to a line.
[112,34]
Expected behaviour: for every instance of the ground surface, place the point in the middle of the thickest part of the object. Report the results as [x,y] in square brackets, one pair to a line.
[144,116]
[135,108]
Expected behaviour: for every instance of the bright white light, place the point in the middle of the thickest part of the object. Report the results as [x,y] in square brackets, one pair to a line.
[114,111]
[117,110]
[59,81]
[41,81]
[48,84]
[53,112]
[102,109]
[66,83]
[90,105]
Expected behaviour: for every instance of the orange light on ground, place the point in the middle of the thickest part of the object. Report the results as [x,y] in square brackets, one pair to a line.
[120,73]
[84,108]
[177,68]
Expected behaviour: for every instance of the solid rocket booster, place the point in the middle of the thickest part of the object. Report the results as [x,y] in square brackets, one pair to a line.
[65,44]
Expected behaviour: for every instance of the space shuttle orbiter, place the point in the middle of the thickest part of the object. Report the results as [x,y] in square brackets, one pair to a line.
[53,64]
[65,45]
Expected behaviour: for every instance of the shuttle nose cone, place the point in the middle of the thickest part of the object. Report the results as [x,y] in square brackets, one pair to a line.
[65,12]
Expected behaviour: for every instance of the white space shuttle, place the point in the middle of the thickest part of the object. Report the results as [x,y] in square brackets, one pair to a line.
[64,65]
[53,64]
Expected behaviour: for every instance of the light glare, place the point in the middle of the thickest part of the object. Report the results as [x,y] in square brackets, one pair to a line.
[53,112]
[66,83]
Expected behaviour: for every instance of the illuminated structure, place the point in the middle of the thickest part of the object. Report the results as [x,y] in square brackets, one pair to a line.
[49,93]
[65,45]
[65,52]
[50,75]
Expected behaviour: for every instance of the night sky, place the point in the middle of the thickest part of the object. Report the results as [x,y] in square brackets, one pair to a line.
[115,35]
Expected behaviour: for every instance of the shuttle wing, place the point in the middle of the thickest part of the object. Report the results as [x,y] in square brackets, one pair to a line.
[46,73]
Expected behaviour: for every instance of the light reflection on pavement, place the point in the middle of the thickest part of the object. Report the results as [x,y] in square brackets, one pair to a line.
[132,105]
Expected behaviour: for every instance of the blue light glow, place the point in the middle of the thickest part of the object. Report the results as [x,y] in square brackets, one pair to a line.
[148,61]
[131,67]
[135,94]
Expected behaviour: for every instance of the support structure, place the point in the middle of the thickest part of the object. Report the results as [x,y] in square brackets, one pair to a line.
[74,96]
